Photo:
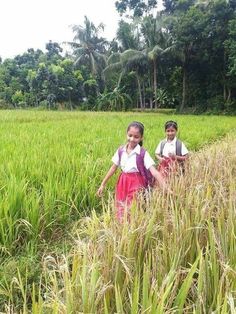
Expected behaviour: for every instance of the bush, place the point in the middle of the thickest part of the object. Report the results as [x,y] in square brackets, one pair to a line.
[5,105]
[215,104]
[230,107]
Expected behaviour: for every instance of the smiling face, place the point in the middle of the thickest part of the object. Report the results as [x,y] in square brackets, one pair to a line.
[171,133]
[134,137]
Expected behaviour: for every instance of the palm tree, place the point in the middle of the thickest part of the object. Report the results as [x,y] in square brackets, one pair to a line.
[129,61]
[89,48]
[154,55]
[115,99]
[128,35]
[158,43]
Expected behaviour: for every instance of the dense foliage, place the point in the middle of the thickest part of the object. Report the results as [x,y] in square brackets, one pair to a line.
[182,57]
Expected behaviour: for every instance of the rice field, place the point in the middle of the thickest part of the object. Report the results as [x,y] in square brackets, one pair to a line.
[62,251]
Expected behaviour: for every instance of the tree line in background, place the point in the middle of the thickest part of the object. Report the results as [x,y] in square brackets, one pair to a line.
[182,57]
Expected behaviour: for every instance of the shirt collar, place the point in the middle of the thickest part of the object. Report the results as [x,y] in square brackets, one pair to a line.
[173,141]
[136,150]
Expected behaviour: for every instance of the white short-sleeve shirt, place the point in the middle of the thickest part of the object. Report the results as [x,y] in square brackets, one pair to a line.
[128,161]
[170,148]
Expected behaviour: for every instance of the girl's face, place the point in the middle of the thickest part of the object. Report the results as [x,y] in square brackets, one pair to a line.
[133,137]
[171,133]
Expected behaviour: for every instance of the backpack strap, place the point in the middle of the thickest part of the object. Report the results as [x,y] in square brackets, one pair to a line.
[163,143]
[140,160]
[120,151]
[142,152]
[145,173]
[140,164]
[178,148]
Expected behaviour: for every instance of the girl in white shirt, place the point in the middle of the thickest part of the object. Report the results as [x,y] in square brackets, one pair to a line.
[134,162]
[171,152]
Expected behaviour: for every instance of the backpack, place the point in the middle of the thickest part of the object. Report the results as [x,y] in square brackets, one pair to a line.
[145,173]
[178,147]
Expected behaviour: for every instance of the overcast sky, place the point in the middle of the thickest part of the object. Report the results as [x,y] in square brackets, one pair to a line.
[32,23]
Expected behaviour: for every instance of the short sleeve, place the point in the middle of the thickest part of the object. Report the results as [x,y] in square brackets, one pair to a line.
[158,149]
[184,150]
[115,158]
[148,161]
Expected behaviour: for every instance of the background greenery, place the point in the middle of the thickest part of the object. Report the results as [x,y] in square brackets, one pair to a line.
[183,57]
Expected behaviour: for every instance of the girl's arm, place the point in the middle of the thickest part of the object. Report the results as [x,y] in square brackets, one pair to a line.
[158,156]
[109,174]
[158,153]
[181,158]
[158,177]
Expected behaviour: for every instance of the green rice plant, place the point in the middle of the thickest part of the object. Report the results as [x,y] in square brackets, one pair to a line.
[176,254]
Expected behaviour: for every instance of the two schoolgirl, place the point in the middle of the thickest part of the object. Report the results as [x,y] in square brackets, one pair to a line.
[138,168]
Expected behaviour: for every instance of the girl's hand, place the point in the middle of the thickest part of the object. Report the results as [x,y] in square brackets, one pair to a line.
[161,159]
[100,191]
[110,173]
[172,156]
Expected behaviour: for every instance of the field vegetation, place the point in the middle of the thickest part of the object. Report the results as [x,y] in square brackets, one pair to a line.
[63,252]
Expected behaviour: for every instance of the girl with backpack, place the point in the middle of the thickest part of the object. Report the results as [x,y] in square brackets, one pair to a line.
[138,170]
[171,152]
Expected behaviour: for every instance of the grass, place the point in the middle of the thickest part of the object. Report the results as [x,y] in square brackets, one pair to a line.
[53,162]
[178,250]
[177,254]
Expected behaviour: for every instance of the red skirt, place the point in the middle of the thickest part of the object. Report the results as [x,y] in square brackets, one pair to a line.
[126,189]
[166,166]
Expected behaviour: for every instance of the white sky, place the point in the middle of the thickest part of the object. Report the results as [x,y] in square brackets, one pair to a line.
[32,23]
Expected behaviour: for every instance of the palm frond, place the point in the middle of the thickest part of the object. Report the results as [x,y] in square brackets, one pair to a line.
[114,67]
[80,60]
[129,54]
[72,44]
[156,51]
[114,58]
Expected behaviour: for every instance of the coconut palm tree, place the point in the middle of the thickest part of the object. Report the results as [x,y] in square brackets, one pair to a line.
[128,61]
[158,43]
[114,100]
[128,35]
[88,47]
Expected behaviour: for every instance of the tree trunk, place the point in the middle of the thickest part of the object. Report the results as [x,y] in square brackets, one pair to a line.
[229,94]
[151,89]
[151,103]
[182,106]
[224,79]
[184,91]
[224,92]
[140,92]
[144,100]
[155,81]
[70,101]
[36,101]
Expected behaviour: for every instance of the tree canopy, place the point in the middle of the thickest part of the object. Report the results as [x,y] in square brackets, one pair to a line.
[182,57]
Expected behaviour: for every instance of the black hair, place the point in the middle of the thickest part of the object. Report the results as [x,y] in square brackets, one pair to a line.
[139,126]
[170,124]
